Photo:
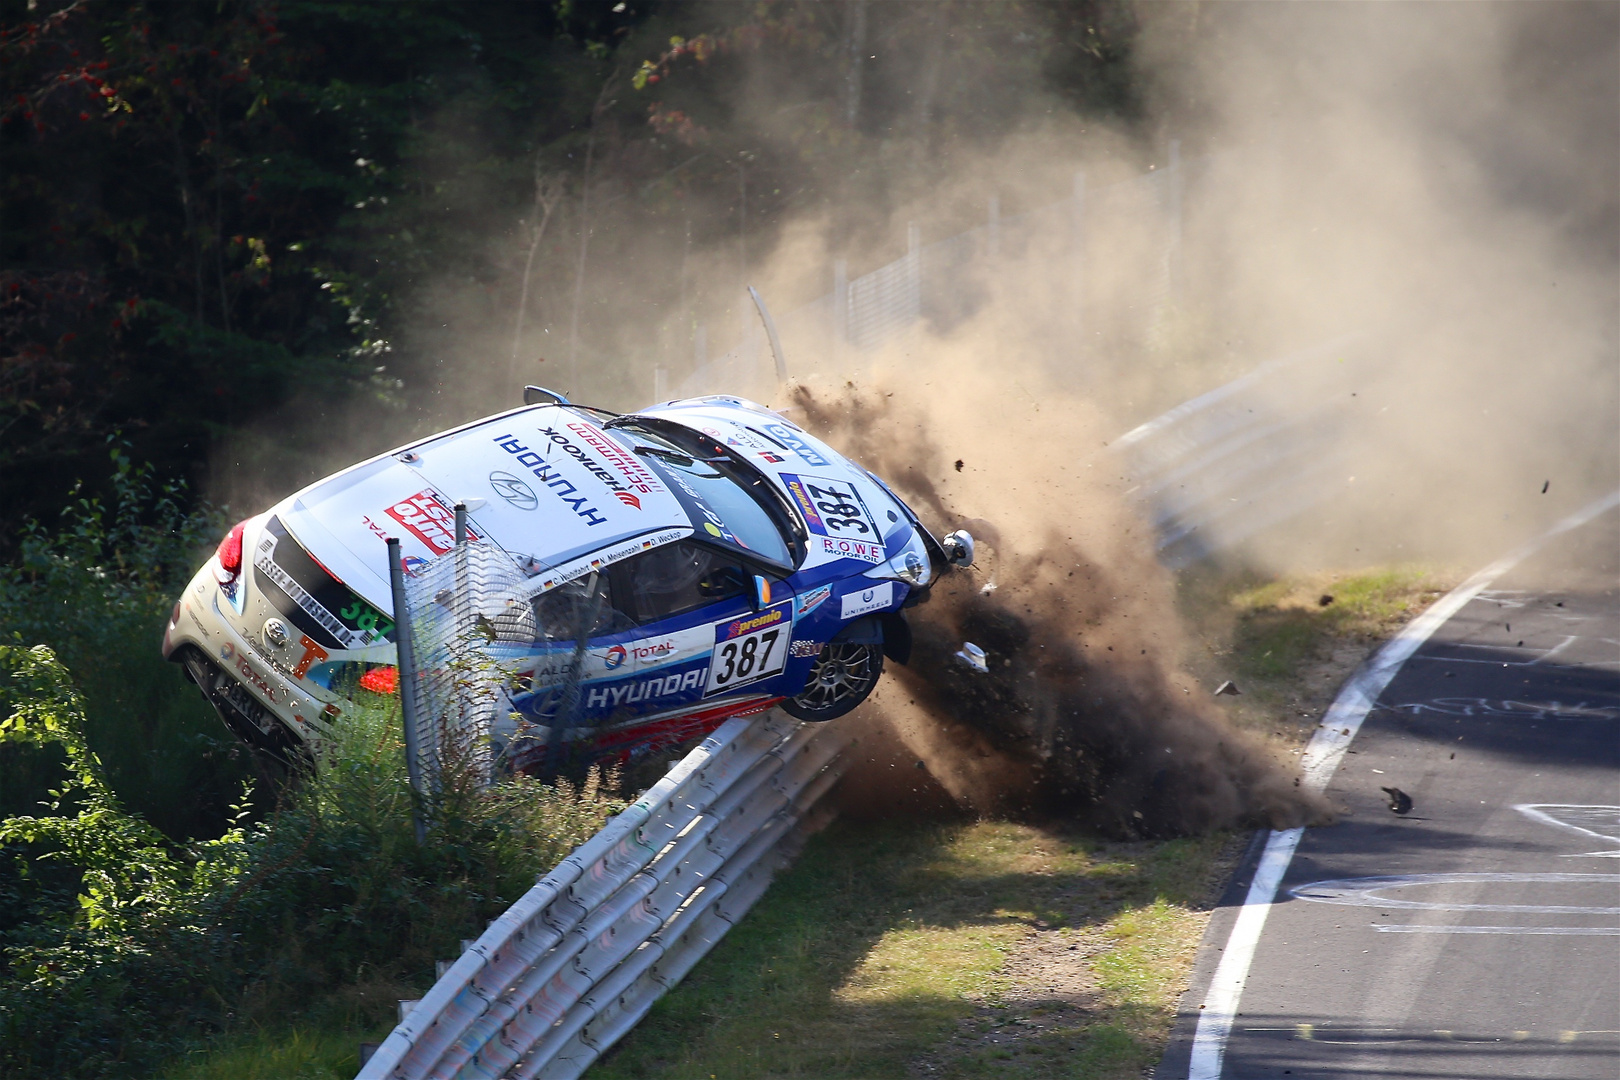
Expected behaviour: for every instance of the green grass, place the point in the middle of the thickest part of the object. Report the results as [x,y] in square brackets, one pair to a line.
[1287,651]
[886,944]
[302,1054]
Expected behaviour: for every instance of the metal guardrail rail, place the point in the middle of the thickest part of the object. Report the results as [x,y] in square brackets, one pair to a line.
[1220,468]
[579,959]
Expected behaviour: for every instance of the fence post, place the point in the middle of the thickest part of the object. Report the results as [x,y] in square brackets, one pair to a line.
[994,227]
[407,684]
[1173,252]
[840,298]
[914,268]
[1077,240]
[770,333]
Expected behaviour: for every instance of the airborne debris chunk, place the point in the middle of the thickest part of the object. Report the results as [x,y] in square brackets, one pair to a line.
[1399,801]
[958,464]
[1324,600]
[1227,687]
[973,656]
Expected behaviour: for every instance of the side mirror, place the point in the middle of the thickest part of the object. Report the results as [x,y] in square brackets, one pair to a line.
[539,395]
[958,548]
[762,592]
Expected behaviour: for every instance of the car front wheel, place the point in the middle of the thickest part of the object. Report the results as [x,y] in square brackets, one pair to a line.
[842,677]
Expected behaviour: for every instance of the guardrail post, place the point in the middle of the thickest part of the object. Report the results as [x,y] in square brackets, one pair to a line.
[407,684]
[770,333]
[1173,249]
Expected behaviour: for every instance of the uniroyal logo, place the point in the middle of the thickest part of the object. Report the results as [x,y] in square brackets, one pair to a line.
[429,520]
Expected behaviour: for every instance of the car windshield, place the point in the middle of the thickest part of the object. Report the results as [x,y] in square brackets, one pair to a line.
[730,503]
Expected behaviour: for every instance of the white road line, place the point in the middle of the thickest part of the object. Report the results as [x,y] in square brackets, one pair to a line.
[1318,763]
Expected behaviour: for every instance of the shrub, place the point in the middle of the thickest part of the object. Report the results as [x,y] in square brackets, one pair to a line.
[165,942]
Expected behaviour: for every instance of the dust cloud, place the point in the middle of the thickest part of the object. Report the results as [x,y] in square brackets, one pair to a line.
[1436,186]
[1083,714]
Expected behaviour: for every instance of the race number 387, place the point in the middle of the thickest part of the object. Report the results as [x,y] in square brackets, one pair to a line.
[750,647]
[832,507]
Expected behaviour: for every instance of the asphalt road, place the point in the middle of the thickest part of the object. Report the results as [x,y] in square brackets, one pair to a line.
[1491,946]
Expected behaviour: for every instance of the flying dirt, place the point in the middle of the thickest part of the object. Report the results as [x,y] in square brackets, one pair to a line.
[1082,713]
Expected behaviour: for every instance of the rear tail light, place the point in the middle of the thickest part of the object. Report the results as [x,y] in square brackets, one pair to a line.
[229,554]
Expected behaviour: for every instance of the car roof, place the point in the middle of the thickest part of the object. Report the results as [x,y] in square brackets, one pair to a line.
[547,483]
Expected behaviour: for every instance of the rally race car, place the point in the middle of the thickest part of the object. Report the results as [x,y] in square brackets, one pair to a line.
[702,559]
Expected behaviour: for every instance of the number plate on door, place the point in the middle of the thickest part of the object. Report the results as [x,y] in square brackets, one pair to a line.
[750,647]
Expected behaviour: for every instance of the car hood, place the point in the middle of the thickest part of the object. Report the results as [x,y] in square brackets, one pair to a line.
[791,457]
[546,483]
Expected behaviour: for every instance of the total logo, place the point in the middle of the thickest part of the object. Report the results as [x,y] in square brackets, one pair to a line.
[656,650]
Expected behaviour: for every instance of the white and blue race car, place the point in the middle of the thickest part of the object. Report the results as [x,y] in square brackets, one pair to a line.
[698,560]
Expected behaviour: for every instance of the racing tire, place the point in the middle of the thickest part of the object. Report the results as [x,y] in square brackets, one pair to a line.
[844,674]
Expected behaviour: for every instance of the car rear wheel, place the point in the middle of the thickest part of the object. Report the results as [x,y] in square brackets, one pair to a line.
[842,677]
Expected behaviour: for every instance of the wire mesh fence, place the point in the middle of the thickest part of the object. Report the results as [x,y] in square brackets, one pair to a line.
[486,628]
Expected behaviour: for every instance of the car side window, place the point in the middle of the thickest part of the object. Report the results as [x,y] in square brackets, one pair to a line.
[681,577]
[582,608]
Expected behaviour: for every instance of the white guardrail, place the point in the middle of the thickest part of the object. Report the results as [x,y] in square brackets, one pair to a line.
[579,959]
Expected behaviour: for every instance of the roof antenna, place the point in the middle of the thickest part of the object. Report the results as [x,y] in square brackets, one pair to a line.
[539,395]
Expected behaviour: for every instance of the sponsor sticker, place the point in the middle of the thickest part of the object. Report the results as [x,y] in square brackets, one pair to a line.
[429,519]
[876,598]
[559,485]
[835,511]
[313,654]
[812,600]
[514,490]
[635,475]
[785,436]
[801,649]
[257,680]
[750,648]
[631,692]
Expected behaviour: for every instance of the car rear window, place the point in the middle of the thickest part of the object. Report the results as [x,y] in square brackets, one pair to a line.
[314,601]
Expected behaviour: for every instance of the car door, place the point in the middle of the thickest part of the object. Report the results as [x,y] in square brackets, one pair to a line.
[702,637]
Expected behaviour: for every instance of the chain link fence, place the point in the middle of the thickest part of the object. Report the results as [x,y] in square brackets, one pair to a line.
[487,629]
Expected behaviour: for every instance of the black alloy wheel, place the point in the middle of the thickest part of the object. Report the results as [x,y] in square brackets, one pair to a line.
[842,677]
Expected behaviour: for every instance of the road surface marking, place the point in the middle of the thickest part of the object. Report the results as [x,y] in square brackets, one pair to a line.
[1318,763]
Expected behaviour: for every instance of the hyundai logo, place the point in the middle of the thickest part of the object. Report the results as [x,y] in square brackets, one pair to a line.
[513,490]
